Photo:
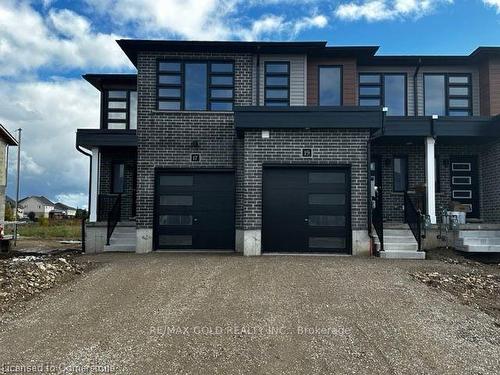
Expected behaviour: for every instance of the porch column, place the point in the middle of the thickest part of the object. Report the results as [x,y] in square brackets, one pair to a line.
[430,176]
[94,184]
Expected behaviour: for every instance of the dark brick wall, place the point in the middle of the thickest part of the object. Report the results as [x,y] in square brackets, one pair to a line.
[490,168]
[165,138]
[108,157]
[393,202]
[335,146]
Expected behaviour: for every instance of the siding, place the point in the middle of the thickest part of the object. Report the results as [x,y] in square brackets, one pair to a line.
[409,71]
[451,69]
[349,79]
[297,77]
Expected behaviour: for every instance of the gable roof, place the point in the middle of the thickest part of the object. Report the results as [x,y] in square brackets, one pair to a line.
[7,136]
[62,206]
[45,201]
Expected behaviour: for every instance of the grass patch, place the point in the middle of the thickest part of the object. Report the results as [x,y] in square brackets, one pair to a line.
[61,229]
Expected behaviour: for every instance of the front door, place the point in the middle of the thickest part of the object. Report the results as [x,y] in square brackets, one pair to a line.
[306,209]
[464,176]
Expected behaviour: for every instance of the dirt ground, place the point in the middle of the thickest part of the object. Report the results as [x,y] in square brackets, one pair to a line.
[226,314]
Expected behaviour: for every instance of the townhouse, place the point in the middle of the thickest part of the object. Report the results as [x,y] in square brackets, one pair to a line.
[289,147]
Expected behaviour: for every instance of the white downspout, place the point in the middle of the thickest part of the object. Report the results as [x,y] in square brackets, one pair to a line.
[94,184]
[430,176]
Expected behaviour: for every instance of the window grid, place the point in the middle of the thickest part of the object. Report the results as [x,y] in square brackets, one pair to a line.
[171,75]
[380,97]
[267,75]
[110,99]
[452,110]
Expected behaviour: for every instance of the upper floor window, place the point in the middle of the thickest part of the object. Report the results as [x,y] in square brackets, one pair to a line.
[277,84]
[120,111]
[330,85]
[447,94]
[195,85]
[387,90]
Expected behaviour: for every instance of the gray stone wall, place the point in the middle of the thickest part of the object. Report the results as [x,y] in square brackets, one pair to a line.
[166,138]
[329,147]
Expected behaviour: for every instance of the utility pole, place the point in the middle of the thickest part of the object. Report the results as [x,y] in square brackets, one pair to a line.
[17,183]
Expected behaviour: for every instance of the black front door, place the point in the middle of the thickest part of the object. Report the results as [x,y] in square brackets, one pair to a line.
[306,209]
[194,210]
[464,176]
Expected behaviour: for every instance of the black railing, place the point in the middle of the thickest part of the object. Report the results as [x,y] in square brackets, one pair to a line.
[413,217]
[378,218]
[114,217]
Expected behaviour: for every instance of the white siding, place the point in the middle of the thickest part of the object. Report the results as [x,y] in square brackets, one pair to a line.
[298,75]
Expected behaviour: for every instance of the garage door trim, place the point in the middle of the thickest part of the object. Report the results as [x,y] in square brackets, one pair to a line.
[160,170]
[344,167]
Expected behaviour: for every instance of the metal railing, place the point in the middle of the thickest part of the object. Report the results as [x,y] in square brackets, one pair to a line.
[114,217]
[378,218]
[413,217]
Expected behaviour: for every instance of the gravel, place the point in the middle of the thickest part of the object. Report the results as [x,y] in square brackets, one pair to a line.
[223,314]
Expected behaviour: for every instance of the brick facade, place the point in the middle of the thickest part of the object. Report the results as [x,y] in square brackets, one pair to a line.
[329,147]
[490,169]
[166,138]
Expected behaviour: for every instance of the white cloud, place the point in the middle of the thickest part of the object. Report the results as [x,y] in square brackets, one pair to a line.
[78,200]
[380,10]
[49,114]
[494,4]
[63,40]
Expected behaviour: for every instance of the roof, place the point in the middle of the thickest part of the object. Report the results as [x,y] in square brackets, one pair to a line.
[62,206]
[98,80]
[9,138]
[41,198]
[365,54]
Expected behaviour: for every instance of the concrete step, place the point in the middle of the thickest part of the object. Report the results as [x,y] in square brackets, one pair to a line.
[395,225]
[122,242]
[402,254]
[398,232]
[399,239]
[115,247]
[479,233]
[400,246]
[124,235]
[478,241]
[478,248]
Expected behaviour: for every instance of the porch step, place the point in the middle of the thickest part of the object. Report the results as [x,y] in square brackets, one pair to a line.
[478,241]
[124,238]
[399,243]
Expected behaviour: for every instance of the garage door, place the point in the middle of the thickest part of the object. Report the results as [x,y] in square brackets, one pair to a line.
[194,210]
[306,210]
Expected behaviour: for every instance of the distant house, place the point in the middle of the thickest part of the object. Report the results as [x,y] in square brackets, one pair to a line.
[65,209]
[39,205]
[6,139]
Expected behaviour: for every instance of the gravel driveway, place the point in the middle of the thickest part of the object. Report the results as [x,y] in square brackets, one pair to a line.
[224,314]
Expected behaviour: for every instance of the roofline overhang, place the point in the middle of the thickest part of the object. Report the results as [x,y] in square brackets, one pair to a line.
[90,138]
[99,80]
[9,138]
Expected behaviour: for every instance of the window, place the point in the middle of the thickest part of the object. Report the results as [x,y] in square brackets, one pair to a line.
[447,94]
[120,110]
[388,90]
[118,178]
[330,85]
[400,173]
[277,84]
[195,85]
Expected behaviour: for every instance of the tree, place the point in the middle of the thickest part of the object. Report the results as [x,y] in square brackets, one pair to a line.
[9,213]
[81,214]
[32,216]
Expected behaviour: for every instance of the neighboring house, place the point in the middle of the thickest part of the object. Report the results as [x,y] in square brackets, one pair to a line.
[39,205]
[67,211]
[278,146]
[6,140]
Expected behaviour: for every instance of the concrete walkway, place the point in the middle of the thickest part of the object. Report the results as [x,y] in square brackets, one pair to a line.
[224,314]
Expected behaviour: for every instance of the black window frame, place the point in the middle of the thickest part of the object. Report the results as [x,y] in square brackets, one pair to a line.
[381,85]
[405,158]
[112,187]
[106,110]
[341,67]
[287,87]
[448,97]
[181,86]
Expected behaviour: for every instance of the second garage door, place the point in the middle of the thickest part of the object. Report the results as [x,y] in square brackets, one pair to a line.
[306,209]
[194,210]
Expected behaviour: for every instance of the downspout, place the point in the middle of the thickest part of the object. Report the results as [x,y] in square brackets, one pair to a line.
[369,191]
[90,174]
[415,91]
